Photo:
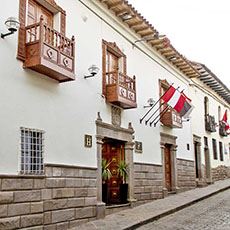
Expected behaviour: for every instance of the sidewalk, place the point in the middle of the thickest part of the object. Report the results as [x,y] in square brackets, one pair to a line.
[132,218]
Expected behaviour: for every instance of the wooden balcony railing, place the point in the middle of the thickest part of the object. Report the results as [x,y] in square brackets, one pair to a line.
[121,90]
[222,130]
[49,52]
[171,119]
[210,124]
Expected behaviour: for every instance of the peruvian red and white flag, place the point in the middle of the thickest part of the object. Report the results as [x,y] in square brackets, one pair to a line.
[178,101]
[225,121]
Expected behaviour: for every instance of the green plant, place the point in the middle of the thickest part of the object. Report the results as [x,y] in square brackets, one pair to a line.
[122,171]
[105,171]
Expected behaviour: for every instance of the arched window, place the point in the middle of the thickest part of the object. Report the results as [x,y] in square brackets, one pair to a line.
[219,113]
[206,106]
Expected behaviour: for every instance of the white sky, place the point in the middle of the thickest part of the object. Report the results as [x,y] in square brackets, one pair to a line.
[198,29]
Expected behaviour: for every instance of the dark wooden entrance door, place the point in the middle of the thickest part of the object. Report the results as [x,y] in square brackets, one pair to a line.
[196,159]
[168,168]
[113,152]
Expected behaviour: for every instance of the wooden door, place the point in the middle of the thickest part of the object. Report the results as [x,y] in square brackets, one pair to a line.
[168,169]
[113,152]
[35,11]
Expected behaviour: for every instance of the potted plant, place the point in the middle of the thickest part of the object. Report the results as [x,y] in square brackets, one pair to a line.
[122,171]
[106,174]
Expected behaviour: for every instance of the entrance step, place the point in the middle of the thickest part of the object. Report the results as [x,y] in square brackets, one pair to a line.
[109,209]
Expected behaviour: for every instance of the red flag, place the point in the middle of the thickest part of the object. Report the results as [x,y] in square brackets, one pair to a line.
[225,121]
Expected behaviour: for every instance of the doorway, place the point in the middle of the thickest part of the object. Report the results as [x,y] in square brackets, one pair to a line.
[168,168]
[113,152]
[197,157]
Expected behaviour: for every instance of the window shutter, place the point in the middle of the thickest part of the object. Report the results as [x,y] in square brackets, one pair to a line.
[21,33]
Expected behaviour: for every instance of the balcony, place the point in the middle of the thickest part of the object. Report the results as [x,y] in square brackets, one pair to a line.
[171,119]
[210,124]
[222,130]
[49,52]
[120,90]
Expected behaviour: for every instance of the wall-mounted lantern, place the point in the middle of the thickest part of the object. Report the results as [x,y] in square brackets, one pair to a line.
[93,70]
[12,24]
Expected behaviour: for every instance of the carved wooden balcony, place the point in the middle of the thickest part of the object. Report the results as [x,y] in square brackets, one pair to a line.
[222,130]
[49,52]
[210,124]
[171,119]
[121,90]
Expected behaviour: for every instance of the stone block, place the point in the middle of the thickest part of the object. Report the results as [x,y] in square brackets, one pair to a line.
[57,171]
[31,220]
[3,210]
[63,226]
[87,173]
[90,201]
[55,183]
[73,182]
[39,183]
[26,196]
[85,212]
[63,215]
[89,182]
[92,192]
[16,184]
[33,228]
[76,223]
[10,223]
[50,227]
[75,202]
[70,172]
[55,204]
[36,207]
[81,192]
[137,167]
[18,209]
[6,197]
[63,192]
[47,218]
[48,171]
[46,194]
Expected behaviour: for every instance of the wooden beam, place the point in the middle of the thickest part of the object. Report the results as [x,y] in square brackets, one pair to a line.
[141,29]
[114,5]
[131,25]
[122,12]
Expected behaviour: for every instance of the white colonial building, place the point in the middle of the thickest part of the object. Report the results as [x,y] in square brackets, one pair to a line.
[60,121]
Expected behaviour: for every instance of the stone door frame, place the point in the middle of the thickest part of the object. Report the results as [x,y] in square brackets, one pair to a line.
[105,130]
[198,165]
[170,140]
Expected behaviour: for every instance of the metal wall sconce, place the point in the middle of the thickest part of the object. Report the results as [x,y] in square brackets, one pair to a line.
[12,24]
[93,70]
[150,103]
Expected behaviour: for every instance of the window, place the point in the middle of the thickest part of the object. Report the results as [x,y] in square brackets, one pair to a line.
[206,106]
[205,142]
[221,151]
[214,149]
[32,149]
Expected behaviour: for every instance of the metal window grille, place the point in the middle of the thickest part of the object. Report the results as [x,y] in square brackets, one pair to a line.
[32,149]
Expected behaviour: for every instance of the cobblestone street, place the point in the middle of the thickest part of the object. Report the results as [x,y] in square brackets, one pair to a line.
[212,213]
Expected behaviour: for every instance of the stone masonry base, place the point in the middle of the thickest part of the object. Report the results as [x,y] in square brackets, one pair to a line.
[147,182]
[63,198]
[220,173]
[185,175]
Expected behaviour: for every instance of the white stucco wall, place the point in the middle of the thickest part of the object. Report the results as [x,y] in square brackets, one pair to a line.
[67,111]
[198,92]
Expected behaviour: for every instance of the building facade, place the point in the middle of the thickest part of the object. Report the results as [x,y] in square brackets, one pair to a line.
[61,123]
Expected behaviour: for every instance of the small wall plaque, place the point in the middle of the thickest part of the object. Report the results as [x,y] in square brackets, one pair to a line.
[88,141]
[138,146]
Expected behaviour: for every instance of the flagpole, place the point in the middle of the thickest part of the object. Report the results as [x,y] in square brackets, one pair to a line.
[162,114]
[155,104]
[164,111]
[146,122]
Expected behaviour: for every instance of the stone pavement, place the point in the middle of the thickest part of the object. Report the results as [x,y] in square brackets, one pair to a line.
[135,217]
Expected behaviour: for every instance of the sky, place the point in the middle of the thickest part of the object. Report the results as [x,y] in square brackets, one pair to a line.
[198,29]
